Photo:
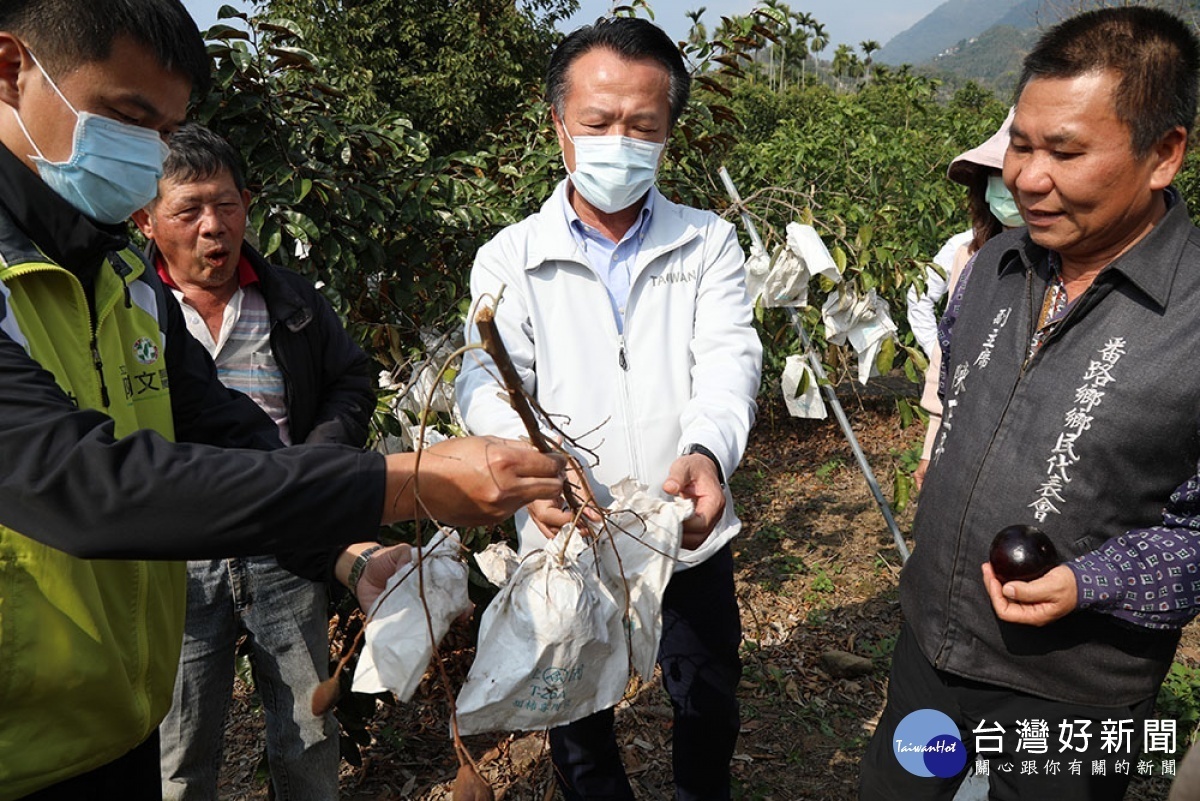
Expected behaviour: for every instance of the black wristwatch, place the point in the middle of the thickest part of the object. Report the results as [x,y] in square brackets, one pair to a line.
[694,448]
[356,569]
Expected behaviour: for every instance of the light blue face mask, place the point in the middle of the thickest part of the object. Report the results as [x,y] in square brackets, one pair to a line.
[1001,202]
[613,172]
[113,169]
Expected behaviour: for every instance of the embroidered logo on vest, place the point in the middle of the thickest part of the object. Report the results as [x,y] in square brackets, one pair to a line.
[145,351]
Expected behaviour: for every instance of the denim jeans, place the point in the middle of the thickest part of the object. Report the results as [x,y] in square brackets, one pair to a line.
[286,620]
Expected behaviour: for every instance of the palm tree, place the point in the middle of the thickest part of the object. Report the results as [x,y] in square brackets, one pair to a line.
[820,38]
[780,16]
[796,43]
[868,47]
[845,64]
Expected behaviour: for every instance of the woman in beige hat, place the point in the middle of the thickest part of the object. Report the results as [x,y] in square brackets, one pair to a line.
[992,209]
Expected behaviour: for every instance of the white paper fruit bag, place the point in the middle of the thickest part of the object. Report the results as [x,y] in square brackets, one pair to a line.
[646,533]
[557,643]
[397,646]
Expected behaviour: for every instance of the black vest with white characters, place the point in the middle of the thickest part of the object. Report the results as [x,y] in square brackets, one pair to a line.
[1086,440]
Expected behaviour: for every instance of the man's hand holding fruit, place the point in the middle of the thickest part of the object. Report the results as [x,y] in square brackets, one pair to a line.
[1024,579]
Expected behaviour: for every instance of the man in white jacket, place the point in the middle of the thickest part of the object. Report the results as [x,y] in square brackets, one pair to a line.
[627,314]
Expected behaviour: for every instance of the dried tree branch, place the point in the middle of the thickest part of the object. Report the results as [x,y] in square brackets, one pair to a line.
[489,337]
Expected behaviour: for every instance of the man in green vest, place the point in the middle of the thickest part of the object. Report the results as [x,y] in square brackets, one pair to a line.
[120,450]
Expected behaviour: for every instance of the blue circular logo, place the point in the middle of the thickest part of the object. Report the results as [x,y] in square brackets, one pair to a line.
[926,743]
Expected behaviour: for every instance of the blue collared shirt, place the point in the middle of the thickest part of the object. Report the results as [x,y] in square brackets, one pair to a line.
[612,262]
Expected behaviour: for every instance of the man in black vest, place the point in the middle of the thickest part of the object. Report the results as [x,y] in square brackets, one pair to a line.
[1072,405]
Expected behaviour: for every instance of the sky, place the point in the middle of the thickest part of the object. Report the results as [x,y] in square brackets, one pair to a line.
[848,21]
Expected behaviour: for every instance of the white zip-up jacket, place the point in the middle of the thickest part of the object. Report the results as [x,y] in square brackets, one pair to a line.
[686,370]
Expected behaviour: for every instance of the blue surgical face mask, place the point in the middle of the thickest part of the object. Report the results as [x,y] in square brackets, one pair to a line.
[113,169]
[613,172]
[1001,202]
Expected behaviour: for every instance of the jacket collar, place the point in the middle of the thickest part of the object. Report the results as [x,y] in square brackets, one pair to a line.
[283,302]
[667,231]
[54,226]
[1150,265]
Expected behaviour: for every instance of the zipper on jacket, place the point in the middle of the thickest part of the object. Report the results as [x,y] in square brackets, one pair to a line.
[99,365]
[635,455]
[631,443]
[1034,319]
[122,271]
[93,332]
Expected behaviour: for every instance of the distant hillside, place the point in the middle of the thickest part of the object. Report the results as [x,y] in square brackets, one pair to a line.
[992,60]
[1029,14]
[1041,14]
[965,40]
[944,27]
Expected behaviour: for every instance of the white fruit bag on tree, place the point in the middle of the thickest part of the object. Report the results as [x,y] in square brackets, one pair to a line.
[782,280]
[801,392]
[557,643]
[498,562]
[543,657]
[397,645]
[638,562]
[758,267]
[863,322]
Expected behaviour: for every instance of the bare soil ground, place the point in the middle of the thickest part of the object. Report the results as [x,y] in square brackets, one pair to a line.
[817,572]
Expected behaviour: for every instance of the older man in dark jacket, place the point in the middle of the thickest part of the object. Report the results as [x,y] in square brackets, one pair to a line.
[276,339]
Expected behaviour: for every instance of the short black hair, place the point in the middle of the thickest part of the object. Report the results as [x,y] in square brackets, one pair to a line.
[65,34]
[198,154]
[1154,53]
[629,37]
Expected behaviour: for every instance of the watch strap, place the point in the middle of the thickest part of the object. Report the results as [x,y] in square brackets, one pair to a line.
[695,448]
[360,564]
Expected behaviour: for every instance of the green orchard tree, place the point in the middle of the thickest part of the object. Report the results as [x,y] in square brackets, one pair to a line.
[455,68]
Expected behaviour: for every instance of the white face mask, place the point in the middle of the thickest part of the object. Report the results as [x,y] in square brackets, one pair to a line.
[113,169]
[613,172]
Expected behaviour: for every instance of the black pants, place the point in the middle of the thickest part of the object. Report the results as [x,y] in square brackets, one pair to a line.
[133,777]
[698,656]
[976,708]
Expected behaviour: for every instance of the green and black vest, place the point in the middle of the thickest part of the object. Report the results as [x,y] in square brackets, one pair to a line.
[118,624]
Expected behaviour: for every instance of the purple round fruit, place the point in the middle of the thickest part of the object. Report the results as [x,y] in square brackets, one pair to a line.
[1022,553]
